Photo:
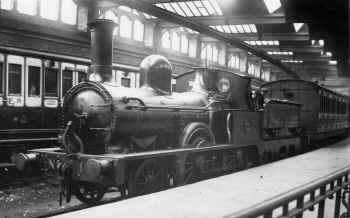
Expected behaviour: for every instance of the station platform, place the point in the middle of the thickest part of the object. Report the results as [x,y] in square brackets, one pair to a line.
[229,194]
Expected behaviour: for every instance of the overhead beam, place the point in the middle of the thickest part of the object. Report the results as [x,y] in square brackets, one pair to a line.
[278,18]
[183,21]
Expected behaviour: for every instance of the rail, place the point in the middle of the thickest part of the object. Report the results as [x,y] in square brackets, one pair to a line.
[306,197]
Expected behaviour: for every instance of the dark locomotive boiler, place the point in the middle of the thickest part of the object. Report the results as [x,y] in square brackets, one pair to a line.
[105,118]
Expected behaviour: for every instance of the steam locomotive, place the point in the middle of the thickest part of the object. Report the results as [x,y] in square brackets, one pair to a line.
[146,139]
[117,136]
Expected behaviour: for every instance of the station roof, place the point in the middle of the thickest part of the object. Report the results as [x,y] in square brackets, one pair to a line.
[308,37]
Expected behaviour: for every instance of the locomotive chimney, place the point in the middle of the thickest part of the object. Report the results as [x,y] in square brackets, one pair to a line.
[101,31]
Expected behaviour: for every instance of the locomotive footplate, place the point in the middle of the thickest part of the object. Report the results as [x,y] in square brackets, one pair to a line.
[114,169]
[141,172]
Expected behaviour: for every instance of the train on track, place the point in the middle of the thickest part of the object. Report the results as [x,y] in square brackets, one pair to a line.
[149,138]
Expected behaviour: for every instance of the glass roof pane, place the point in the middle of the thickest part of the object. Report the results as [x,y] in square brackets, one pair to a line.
[160,5]
[178,9]
[246,28]
[297,26]
[198,4]
[220,28]
[185,9]
[216,7]
[226,29]
[253,28]
[240,28]
[203,11]
[209,7]
[272,5]
[233,29]
[193,8]
[168,7]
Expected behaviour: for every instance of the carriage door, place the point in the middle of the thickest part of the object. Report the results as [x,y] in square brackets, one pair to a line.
[67,78]
[51,98]
[33,93]
[15,93]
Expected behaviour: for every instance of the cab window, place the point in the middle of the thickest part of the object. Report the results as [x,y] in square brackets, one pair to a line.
[15,78]
[51,75]
[81,76]
[33,81]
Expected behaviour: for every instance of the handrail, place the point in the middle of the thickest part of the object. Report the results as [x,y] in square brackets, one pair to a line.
[266,208]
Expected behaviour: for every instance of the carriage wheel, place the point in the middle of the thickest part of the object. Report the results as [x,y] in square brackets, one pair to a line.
[148,178]
[198,135]
[89,193]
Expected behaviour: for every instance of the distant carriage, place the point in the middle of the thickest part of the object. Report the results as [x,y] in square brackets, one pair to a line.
[324,113]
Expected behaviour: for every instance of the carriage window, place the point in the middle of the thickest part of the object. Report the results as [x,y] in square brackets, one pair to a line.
[15,78]
[81,77]
[67,81]
[125,82]
[51,82]
[33,80]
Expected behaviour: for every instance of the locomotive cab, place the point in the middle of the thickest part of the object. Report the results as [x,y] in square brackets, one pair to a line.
[221,86]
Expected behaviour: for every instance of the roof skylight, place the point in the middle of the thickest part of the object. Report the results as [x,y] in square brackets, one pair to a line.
[297,26]
[293,61]
[245,28]
[193,8]
[272,5]
[259,43]
[280,52]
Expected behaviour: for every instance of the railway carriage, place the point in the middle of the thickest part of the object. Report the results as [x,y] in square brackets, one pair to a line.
[324,113]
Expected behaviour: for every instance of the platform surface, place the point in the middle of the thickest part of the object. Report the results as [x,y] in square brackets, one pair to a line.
[231,193]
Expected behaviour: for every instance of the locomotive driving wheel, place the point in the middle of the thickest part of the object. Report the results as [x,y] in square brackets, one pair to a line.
[196,135]
[149,177]
[89,193]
